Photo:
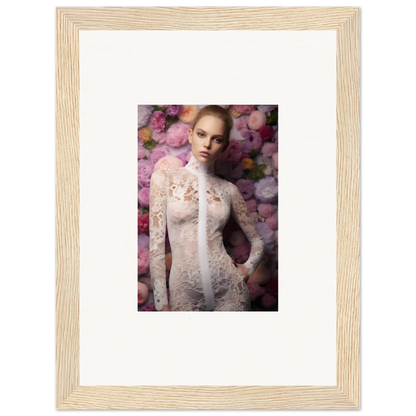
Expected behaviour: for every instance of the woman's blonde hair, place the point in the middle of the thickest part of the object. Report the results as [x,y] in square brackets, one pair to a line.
[216,111]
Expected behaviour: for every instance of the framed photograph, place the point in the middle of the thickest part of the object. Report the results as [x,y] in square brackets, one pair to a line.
[246,197]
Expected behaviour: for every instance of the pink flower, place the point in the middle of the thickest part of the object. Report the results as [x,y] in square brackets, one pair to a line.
[266,210]
[243,109]
[246,187]
[177,135]
[143,260]
[142,293]
[144,196]
[266,132]
[233,153]
[157,153]
[237,173]
[275,158]
[148,308]
[241,123]
[158,121]
[254,289]
[174,110]
[272,286]
[144,172]
[256,120]
[252,140]
[240,253]
[251,205]
[272,222]
[168,162]
[143,223]
[159,137]
[268,300]
[141,153]
[277,237]
[269,149]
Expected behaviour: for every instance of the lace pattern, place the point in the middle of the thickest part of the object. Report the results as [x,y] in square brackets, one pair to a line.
[195,205]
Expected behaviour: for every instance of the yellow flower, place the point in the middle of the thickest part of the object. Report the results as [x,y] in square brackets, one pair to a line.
[145,134]
[248,163]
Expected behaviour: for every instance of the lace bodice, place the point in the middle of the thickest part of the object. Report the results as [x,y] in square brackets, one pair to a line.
[195,205]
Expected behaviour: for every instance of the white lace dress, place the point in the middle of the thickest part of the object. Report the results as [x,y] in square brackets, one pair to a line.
[195,205]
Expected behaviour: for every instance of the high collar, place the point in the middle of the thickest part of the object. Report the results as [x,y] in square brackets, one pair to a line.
[199,167]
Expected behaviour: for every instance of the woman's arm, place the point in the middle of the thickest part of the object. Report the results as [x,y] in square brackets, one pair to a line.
[157,235]
[241,214]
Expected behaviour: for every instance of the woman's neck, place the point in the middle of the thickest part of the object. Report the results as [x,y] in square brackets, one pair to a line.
[200,167]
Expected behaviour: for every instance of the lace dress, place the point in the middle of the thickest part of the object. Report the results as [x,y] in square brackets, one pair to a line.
[195,205]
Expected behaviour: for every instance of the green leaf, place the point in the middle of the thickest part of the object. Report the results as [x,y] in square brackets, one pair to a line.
[150,144]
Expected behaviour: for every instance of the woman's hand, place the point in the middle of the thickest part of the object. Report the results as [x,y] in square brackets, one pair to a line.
[242,269]
[165,308]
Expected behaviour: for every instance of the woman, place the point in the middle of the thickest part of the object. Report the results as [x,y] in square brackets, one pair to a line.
[195,204]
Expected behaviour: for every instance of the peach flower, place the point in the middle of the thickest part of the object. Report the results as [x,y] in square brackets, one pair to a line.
[168,161]
[256,120]
[142,293]
[188,114]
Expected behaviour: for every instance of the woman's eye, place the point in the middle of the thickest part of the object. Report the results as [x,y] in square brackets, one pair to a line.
[199,134]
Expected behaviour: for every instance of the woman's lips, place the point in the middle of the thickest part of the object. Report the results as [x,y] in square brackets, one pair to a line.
[204,154]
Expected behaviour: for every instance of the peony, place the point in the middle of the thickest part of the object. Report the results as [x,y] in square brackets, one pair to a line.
[144,196]
[266,189]
[177,135]
[252,140]
[246,187]
[159,137]
[158,121]
[174,110]
[241,123]
[144,172]
[148,308]
[188,113]
[168,162]
[272,286]
[141,153]
[268,235]
[157,153]
[269,149]
[144,134]
[275,159]
[272,222]
[266,210]
[143,223]
[143,240]
[142,293]
[240,253]
[268,300]
[255,290]
[248,163]
[266,132]
[256,120]
[265,108]
[233,153]
[142,260]
[143,114]
[237,172]
[182,157]
[243,109]
[251,205]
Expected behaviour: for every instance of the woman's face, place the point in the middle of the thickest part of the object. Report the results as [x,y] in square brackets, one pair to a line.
[208,139]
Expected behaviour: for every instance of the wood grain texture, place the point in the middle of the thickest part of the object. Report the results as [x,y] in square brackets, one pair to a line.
[69,394]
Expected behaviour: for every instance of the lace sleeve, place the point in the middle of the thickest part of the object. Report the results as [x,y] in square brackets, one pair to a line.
[157,235]
[241,214]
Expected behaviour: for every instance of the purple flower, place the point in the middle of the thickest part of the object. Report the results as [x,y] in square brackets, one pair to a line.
[269,236]
[246,187]
[265,108]
[174,110]
[143,114]
[143,240]
[157,153]
[252,140]
[144,172]
[266,190]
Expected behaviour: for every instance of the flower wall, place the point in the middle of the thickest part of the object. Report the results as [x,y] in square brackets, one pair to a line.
[250,162]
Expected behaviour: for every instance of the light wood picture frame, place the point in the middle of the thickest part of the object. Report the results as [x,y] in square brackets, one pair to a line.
[69,393]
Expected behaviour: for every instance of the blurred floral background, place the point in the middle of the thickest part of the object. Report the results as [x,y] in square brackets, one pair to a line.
[250,162]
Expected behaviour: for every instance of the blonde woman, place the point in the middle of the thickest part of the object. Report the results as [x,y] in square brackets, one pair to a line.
[195,205]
